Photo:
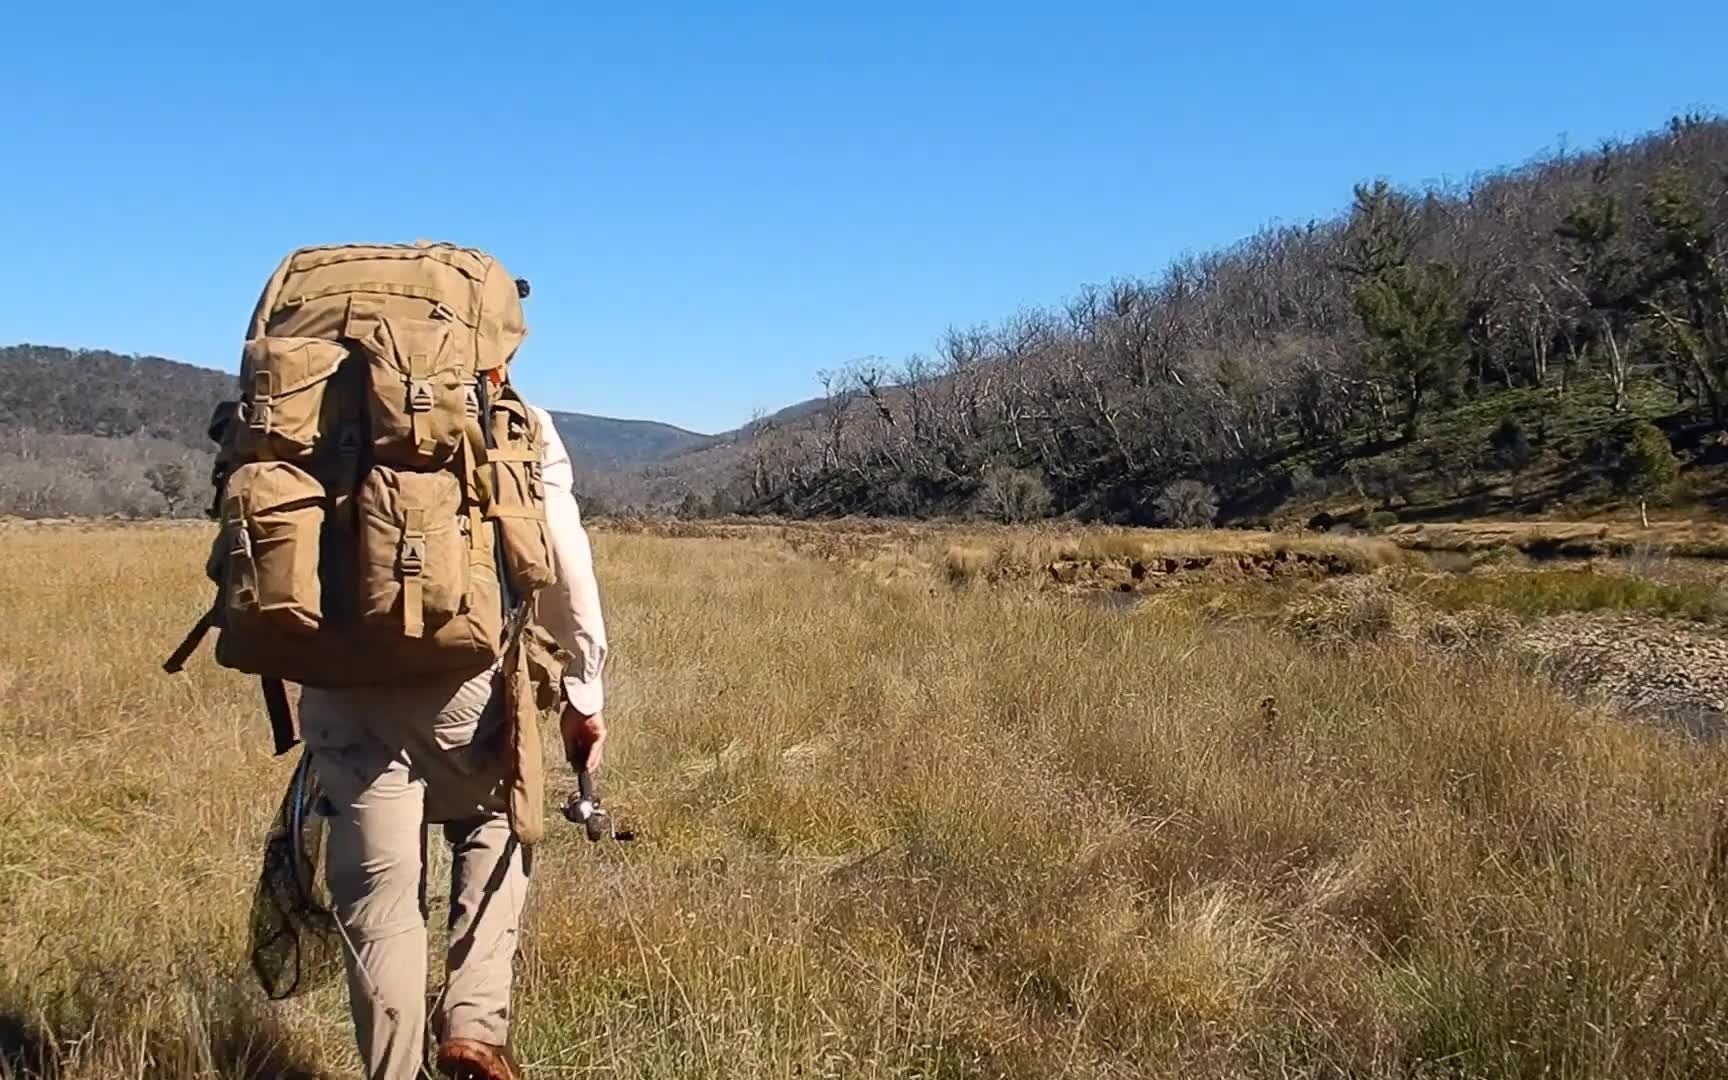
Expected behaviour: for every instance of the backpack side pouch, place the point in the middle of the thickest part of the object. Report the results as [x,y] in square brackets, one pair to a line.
[515,492]
[272,518]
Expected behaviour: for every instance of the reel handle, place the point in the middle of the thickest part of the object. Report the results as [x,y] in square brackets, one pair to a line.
[584,808]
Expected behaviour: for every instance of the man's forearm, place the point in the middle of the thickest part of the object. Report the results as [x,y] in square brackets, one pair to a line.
[570,608]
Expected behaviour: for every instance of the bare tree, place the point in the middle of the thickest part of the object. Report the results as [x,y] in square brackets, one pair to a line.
[168,479]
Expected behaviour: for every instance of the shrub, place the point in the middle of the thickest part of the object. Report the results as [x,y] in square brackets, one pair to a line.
[168,479]
[1013,495]
[1305,485]
[1381,520]
[1509,447]
[1376,479]
[1647,463]
[1187,504]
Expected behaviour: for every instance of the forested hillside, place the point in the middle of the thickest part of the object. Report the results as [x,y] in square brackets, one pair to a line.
[1485,347]
[92,433]
[94,392]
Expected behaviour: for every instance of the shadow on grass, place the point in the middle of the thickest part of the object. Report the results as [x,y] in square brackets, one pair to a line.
[244,1043]
[24,1050]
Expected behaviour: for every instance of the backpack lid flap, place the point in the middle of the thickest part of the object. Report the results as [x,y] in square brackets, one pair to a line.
[276,366]
[266,486]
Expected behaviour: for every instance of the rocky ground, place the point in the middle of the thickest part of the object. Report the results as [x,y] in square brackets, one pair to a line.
[1664,671]
[1656,669]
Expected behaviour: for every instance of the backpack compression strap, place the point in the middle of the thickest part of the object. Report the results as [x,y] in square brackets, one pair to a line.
[282,725]
[189,644]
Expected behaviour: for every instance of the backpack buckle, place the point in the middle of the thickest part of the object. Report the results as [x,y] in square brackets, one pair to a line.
[256,414]
[348,440]
[419,395]
[242,541]
[411,558]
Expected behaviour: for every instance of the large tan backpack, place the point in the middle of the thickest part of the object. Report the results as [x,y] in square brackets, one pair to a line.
[377,484]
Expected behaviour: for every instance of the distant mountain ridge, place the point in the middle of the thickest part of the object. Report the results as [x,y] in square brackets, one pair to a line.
[95,392]
[604,441]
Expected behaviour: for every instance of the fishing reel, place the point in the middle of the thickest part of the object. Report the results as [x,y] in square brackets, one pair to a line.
[584,808]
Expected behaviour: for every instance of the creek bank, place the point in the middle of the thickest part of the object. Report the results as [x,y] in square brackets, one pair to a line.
[1127,575]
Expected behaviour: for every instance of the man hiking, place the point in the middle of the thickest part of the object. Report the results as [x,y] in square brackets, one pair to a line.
[398,537]
[389,758]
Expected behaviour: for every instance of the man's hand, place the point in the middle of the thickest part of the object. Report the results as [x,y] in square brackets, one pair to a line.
[584,738]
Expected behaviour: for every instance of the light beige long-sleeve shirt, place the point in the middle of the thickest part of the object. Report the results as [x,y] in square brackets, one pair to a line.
[569,608]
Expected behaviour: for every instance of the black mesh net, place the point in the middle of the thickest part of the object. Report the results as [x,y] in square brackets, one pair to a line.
[296,944]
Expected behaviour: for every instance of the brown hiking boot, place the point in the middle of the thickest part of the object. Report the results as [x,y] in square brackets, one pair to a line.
[471,1059]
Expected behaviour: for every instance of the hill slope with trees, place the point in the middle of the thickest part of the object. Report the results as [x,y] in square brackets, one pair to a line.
[1504,345]
[90,433]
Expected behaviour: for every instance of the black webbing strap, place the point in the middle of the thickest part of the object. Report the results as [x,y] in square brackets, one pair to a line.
[189,644]
[281,715]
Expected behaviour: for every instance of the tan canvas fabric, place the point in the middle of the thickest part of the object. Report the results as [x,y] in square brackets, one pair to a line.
[283,382]
[271,520]
[420,390]
[355,653]
[413,548]
[516,492]
[311,293]
[361,385]
[532,667]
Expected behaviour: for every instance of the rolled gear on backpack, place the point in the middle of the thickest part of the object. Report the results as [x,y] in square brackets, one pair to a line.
[377,485]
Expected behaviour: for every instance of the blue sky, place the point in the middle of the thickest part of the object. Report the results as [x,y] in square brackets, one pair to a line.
[713,207]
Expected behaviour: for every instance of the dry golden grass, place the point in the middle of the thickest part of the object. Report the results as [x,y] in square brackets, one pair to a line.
[1038,546]
[1684,538]
[909,832]
[967,552]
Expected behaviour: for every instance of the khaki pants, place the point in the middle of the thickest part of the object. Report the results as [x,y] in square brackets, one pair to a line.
[390,762]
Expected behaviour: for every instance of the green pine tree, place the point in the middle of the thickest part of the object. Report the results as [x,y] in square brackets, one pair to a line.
[1414,313]
[1603,276]
[1648,466]
[1686,296]
[1417,336]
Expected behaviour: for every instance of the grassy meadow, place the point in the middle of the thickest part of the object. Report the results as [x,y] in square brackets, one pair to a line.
[900,817]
